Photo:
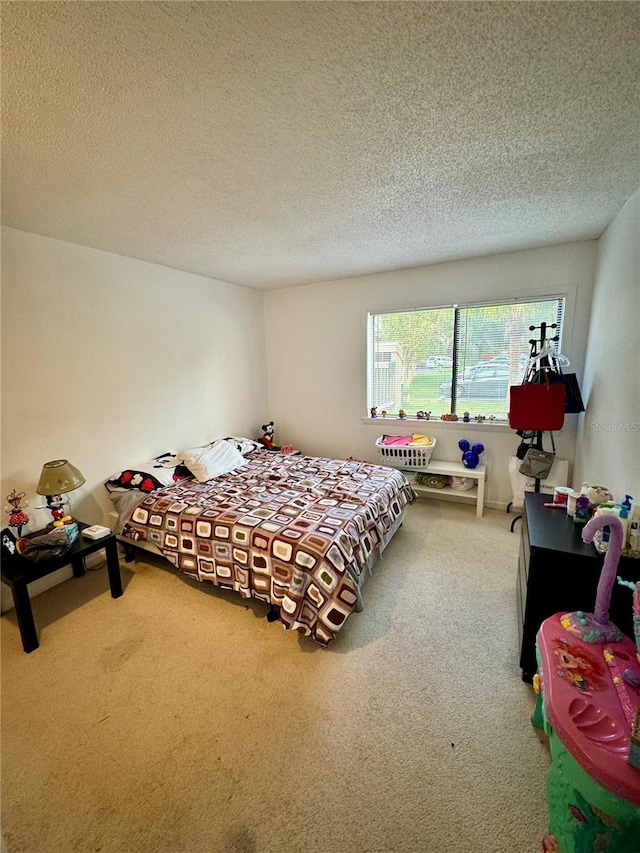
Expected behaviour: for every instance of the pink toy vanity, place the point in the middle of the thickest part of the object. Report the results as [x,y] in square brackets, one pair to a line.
[589,699]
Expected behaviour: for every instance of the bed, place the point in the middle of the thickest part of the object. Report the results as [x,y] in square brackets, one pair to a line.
[298,532]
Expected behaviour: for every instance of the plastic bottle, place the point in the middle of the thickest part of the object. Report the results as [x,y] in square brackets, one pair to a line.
[581,515]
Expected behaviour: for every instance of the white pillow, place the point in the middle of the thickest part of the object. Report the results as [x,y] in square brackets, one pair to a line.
[211,460]
[244,445]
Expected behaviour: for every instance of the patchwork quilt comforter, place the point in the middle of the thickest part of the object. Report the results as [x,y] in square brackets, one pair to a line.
[294,531]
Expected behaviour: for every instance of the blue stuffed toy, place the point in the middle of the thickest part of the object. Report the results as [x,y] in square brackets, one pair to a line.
[470,453]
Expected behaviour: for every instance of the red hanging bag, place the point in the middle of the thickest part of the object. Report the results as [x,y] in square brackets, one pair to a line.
[536,406]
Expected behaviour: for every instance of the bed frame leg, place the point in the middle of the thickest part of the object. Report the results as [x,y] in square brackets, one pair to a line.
[129,553]
[273,614]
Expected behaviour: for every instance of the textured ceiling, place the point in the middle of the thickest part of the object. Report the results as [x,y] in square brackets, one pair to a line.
[272,144]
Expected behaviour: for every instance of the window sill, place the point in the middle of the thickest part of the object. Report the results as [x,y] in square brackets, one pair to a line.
[422,424]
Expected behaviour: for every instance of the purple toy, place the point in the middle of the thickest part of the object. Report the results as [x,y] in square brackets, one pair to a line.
[596,627]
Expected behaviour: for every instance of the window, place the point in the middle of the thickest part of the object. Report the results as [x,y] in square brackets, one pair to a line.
[454,359]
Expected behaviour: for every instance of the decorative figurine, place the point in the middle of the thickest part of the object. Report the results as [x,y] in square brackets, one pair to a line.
[470,453]
[384,413]
[402,414]
[15,507]
[421,415]
[465,417]
[373,411]
[55,505]
[479,418]
[267,437]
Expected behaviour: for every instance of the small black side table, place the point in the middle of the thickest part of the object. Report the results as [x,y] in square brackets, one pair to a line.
[17,572]
[559,573]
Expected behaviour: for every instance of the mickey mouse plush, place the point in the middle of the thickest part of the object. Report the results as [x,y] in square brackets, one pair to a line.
[267,436]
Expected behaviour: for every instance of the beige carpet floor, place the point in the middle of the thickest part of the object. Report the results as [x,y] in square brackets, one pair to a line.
[177,719]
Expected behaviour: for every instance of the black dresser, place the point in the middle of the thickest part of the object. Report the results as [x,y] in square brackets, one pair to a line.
[558,573]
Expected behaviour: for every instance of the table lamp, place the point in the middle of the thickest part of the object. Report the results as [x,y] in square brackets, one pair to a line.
[58,478]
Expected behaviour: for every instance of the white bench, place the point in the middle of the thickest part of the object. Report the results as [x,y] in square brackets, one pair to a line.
[456,469]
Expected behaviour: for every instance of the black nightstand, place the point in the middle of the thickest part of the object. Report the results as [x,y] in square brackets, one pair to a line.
[559,573]
[17,573]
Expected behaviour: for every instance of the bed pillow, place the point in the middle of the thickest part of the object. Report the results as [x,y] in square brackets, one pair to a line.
[211,460]
[164,470]
[244,445]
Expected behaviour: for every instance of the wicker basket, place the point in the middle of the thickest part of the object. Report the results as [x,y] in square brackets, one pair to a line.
[411,458]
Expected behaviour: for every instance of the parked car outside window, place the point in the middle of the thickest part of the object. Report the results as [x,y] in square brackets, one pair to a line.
[484,381]
[496,361]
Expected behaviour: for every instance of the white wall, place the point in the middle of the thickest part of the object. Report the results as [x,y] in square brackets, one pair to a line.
[609,431]
[317,362]
[109,361]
